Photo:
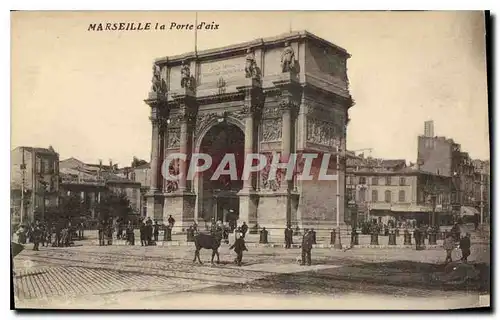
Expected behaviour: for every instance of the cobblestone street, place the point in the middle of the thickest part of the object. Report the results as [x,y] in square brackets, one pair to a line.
[71,274]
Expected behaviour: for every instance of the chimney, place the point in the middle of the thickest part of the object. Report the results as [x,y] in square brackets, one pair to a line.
[429,128]
[111,165]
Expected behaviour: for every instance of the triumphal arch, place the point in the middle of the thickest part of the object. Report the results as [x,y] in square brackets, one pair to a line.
[283,95]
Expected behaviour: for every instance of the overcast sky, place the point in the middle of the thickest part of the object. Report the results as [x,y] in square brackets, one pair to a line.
[82,92]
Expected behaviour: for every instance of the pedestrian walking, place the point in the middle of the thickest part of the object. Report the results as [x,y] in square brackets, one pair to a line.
[418,238]
[288,237]
[100,230]
[149,231]
[313,235]
[448,245]
[130,234]
[21,234]
[244,229]
[80,230]
[307,243]
[36,234]
[465,247]
[156,230]
[171,221]
[109,232]
[142,231]
[239,246]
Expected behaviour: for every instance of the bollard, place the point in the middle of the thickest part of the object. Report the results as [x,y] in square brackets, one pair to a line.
[392,238]
[407,238]
[432,238]
[354,238]
[332,236]
[263,236]
[374,239]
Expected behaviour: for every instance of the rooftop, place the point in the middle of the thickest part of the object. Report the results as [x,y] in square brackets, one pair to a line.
[48,150]
[269,41]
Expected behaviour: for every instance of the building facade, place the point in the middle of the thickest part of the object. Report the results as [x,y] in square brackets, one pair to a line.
[399,195]
[92,181]
[34,182]
[444,157]
[281,95]
[140,174]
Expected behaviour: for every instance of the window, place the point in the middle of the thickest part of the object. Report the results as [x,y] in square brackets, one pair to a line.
[362,196]
[402,196]
[388,196]
[375,181]
[402,181]
[387,181]
[351,195]
[362,180]
[374,195]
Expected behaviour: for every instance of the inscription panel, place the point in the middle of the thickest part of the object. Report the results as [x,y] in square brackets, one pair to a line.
[272,62]
[212,71]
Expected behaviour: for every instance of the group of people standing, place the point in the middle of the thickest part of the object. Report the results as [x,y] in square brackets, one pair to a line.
[42,233]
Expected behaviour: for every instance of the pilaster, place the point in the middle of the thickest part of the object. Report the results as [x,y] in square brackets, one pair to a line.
[157,101]
[252,109]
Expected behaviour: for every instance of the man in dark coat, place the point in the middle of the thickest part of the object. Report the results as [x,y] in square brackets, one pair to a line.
[156,230]
[307,243]
[130,234]
[36,233]
[171,221]
[101,228]
[313,236]
[288,237]
[244,229]
[143,231]
[465,247]
[418,238]
[239,247]
[149,231]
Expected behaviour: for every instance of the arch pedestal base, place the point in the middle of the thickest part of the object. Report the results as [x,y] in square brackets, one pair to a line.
[181,206]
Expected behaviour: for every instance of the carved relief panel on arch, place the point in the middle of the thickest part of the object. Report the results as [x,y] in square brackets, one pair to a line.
[173,137]
[321,132]
[271,130]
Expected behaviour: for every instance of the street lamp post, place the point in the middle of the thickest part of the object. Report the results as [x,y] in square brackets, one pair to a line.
[338,244]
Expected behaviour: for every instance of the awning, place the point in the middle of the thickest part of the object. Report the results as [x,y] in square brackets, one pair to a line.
[468,211]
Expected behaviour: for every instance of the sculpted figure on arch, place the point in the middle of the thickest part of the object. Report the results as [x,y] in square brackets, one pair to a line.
[251,70]
[185,75]
[288,58]
[156,81]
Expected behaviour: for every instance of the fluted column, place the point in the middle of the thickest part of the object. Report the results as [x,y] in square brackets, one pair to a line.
[155,151]
[249,125]
[289,104]
[183,149]
[286,130]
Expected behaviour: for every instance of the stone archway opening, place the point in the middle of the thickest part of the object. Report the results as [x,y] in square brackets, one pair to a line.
[218,197]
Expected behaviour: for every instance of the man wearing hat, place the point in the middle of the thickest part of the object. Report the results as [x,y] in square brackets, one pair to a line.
[307,242]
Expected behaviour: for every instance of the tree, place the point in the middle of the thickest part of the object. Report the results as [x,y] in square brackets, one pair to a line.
[70,207]
[114,205]
[136,162]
